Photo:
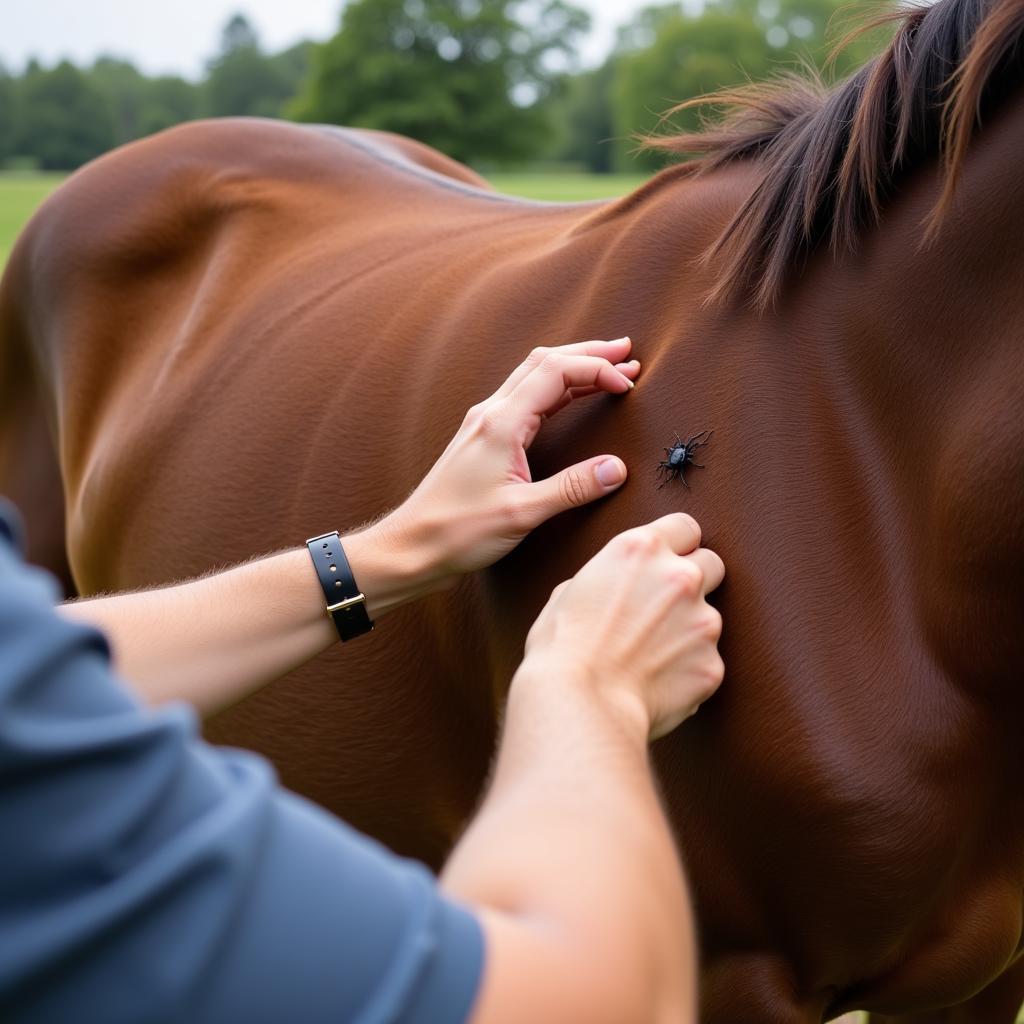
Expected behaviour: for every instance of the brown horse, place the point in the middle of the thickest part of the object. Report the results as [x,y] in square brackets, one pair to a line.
[244,333]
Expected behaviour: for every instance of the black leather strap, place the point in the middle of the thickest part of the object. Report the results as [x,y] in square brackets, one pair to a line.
[345,603]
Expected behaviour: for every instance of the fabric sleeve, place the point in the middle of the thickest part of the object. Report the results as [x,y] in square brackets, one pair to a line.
[147,876]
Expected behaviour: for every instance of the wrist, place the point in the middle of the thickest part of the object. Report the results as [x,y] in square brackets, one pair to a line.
[578,680]
[393,564]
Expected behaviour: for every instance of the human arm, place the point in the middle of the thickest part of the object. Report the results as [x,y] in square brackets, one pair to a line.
[147,874]
[570,862]
[570,865]
[214,640]
[145,866]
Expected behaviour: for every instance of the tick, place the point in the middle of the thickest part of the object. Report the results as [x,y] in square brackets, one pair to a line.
[680,455]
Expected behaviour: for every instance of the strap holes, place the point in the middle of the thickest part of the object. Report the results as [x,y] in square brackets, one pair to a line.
[337,584]
[334,568]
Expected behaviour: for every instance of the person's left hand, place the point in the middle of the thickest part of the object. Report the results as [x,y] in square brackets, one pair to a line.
[479,500]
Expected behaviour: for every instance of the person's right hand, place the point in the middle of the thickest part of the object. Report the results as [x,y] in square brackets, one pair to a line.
[634,624]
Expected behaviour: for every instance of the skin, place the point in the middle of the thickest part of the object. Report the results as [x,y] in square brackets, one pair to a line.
[585,915]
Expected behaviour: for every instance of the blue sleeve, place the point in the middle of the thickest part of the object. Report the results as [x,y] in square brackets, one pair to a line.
[145,876]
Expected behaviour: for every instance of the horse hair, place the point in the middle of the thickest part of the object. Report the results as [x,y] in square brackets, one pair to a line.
[831,157]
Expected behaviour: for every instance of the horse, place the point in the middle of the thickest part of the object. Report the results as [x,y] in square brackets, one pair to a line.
[234,335]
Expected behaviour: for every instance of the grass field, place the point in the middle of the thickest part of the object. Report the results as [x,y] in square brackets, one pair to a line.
[20,194]
[560,187]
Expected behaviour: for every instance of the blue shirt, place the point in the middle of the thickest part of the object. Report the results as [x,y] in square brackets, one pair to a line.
[147,876]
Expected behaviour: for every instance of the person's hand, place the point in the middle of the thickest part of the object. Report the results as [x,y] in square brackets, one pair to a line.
[479,501]
[634,625]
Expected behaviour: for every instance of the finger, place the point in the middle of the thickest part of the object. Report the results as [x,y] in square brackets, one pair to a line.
[611,351]
[543,387]
[572,487]
[680,531]
[630,370]
[711,566]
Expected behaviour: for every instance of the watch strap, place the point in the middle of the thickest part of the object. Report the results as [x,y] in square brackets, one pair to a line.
[346,604]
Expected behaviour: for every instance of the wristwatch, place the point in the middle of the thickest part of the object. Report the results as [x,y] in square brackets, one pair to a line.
[346,604]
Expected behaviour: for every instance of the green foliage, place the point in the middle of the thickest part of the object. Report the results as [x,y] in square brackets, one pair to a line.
[687,55]
[582,115]
[294,66]
[7,96]
[61,117]
[170,100]
[124,90]
[141,105]
[667,55]
[486,81]
[467,76]
[238,35]
[242,79]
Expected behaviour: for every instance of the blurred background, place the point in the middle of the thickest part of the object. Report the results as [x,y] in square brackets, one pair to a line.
[542,96]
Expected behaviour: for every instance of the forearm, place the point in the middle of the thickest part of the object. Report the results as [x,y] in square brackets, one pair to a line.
[571,842]
[215,640]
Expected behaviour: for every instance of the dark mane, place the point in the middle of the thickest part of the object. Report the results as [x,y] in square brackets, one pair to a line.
[830,157]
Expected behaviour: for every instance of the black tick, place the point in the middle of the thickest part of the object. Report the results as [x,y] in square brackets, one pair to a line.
[680,455]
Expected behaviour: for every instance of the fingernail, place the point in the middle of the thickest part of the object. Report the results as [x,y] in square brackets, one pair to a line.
[610,472]
[624,338]
[629,382]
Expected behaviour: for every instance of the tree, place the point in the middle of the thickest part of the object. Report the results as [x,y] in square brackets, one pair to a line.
[7,101]
[169,101]
[242,80]
[140,105]
[688,55]
[125,90]
[582,115]
[466,76]
[294,65]
[667,55]
[63,120]
[238,34]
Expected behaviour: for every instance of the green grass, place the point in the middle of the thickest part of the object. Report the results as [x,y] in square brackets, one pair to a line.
[564,187]
[21,193]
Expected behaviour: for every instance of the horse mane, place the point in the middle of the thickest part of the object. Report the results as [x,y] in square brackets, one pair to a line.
[831,157]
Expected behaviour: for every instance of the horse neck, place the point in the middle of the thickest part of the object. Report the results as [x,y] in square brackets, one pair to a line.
[911,355]
[926,358]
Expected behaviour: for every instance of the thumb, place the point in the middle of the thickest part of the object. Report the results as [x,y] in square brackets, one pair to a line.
[577,485]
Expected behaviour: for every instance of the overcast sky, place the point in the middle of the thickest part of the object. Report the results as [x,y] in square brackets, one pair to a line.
[177,37]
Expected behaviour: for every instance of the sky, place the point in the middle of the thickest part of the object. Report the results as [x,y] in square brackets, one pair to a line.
[178,37]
